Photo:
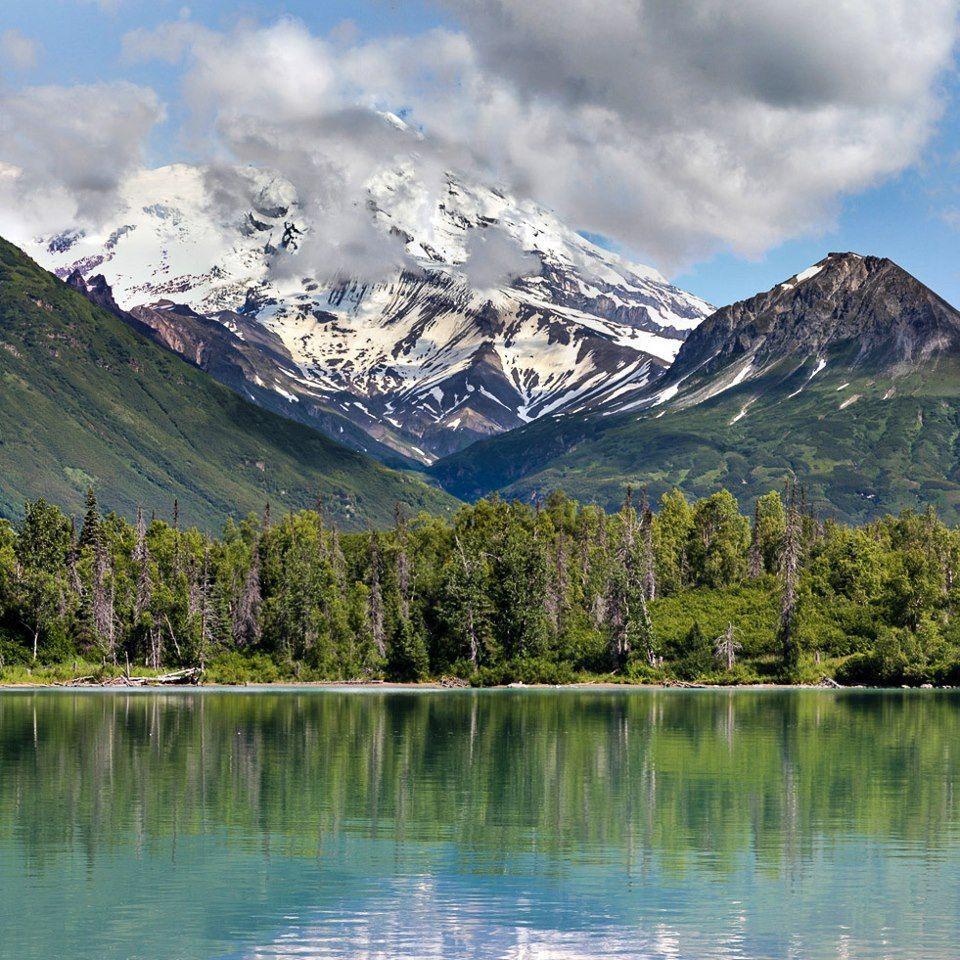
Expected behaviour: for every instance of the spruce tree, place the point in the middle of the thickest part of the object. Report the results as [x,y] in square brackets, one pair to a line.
[375,611]
[91,530]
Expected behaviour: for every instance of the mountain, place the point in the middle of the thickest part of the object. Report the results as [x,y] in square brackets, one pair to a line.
[441,353]
[89,401]
[847,375]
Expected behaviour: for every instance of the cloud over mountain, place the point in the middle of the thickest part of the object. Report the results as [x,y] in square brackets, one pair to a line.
[675,127]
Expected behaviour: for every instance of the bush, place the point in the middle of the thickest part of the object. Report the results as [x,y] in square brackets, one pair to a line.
[527,671]
[895,661]
[237,668]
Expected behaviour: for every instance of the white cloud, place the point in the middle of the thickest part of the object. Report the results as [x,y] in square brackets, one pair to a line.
[678,126]
[70,147]
[674,126]
[493,257]
[18,51]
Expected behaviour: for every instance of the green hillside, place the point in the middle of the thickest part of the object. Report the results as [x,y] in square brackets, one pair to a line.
[896,445]
[87,401]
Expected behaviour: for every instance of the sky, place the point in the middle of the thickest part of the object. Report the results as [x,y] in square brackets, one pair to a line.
[728,145]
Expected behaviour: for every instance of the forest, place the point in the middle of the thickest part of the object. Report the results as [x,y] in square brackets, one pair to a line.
[503,592]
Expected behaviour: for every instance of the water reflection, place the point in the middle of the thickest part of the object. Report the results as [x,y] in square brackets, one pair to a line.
[498,824]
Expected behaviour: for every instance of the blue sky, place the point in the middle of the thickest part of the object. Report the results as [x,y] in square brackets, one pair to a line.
[912,216]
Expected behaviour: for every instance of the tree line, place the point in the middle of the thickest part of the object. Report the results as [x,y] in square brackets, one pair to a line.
[504,591]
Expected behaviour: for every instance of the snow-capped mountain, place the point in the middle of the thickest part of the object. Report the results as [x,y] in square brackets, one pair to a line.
[447,349]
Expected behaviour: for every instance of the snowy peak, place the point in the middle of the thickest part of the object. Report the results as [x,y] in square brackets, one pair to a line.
[850,310]
[495,314]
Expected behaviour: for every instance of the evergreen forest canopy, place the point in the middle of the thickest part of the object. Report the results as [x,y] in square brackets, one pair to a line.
[502,592]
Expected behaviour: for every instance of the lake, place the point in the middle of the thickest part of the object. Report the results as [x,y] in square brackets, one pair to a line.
[491,824]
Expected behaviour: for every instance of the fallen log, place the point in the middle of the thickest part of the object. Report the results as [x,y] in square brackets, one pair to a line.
[189,675]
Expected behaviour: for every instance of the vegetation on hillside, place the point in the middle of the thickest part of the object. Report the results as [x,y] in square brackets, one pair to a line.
[862,444]
[694,592]
[87,401]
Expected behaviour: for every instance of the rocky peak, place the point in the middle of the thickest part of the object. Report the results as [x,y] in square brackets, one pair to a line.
[868,306]
[96,290]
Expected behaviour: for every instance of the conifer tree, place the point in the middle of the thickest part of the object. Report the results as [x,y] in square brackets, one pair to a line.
[409,659]
[90,531]
[755,554]
[647,557]
[402,561]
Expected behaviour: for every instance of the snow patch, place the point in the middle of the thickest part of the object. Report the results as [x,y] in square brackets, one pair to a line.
[809,272]
[667,394]
[742,375]
[285,394]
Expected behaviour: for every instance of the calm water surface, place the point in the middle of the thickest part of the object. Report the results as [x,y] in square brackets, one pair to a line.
[514,824]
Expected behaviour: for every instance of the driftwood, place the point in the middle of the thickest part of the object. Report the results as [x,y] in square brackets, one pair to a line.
[453,682]
[190,675]
[829,682]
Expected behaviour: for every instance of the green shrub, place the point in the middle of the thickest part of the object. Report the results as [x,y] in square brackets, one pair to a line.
[237,668]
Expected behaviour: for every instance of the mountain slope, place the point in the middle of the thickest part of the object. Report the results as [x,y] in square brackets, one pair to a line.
[847,375]
[88,401]
[442,352]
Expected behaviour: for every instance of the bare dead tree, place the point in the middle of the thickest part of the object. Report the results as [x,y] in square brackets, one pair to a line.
[726,648]
[246,614]
[141,560]
[790,574]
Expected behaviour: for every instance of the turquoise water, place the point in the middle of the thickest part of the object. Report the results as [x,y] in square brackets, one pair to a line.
[507,824]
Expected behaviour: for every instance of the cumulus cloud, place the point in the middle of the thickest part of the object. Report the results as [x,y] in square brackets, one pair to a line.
[72,146]
[675,127]
[680,125]
[17,51]
[494,257]
[311,110]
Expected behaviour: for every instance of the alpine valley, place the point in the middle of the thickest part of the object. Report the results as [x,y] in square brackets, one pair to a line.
[846,376]
[448,349]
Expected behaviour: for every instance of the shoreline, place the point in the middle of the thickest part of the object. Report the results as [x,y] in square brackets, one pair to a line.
[436,687]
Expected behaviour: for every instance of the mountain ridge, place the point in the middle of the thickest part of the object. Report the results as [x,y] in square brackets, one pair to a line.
[89,401]
[846,376]
[425,361]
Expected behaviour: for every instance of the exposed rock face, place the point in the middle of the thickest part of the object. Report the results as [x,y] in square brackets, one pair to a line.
[423,361]
[869,308]
[96,290]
